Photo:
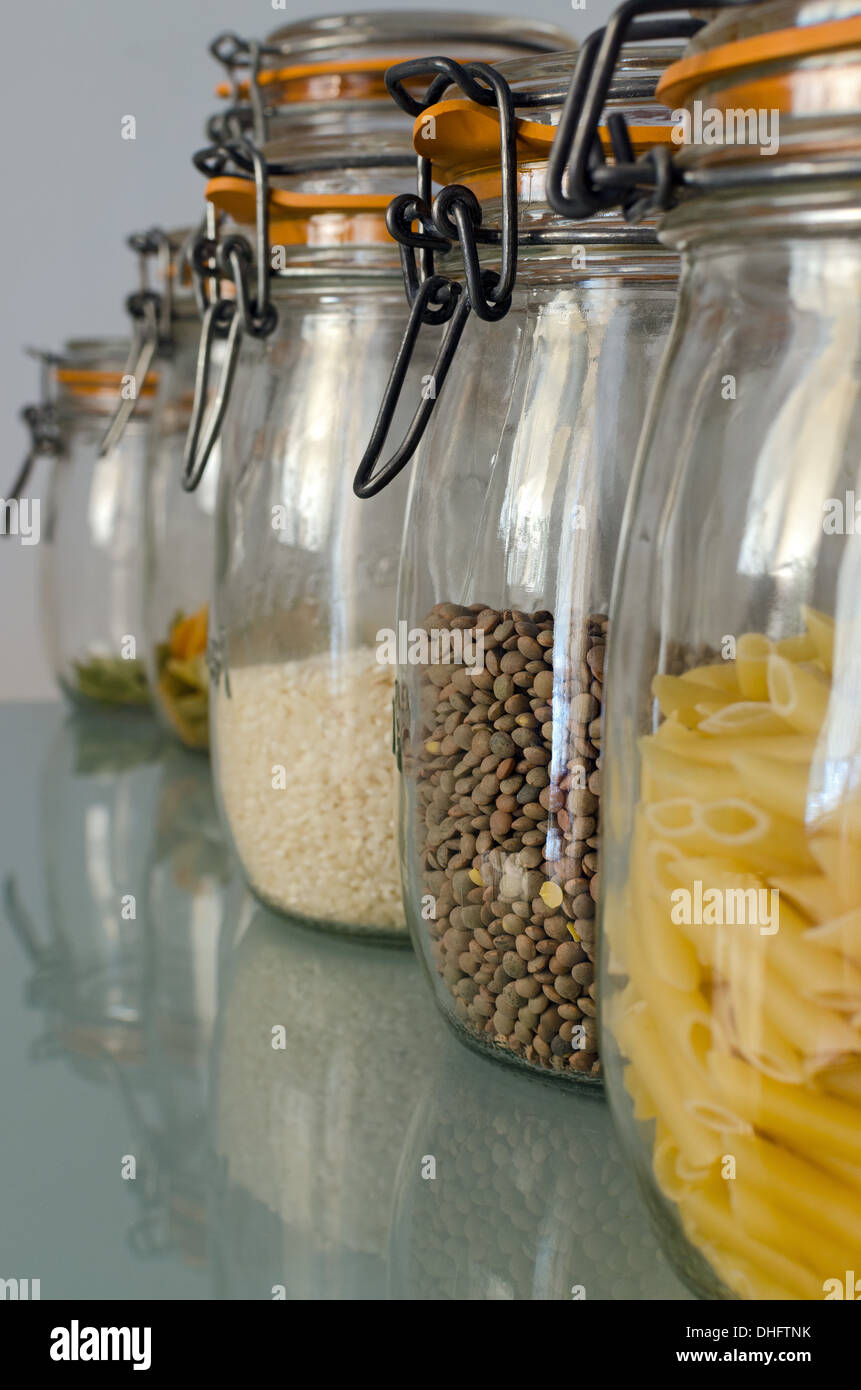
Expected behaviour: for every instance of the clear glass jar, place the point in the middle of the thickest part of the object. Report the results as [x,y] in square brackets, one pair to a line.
[302,707]
[510,541]
[180,549]
[92,555]
[178,538]
[731,971]
[305,575]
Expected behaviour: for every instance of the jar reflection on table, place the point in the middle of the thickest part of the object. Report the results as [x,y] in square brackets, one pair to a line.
[323,1046]
[138,885]
[99,796]
[510,1191]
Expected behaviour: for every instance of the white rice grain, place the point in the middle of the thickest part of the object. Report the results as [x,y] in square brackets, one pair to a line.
[322,845]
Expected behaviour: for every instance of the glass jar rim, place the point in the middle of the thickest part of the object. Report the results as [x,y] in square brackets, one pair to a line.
[385,28]
[767,68]
[752,214]
[746,21]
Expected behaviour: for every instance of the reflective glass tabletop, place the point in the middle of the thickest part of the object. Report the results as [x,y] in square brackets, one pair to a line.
[205,1101]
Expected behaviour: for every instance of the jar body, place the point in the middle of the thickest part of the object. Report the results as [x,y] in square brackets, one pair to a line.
[509,551]
[730,969]
[180,558]
[305,580]
[92,564]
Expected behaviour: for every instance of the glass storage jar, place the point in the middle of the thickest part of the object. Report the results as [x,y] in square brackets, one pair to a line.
[510,539]
[180,529]
[305,576]
[731,972]
[179,533]
[92,555]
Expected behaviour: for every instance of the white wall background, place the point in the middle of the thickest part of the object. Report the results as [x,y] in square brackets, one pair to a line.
[75,189]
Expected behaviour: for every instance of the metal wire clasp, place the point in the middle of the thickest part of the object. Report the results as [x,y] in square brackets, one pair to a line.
[227,318]
[237,54]
[151,312]
[580,182]
[44,428]
[454,215]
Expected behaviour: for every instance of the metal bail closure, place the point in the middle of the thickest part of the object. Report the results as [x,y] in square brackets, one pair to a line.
[200,441]
[45,437]
[234,53]
[584,183]
[255,316]
[366,483]
[454,216]
[151,313]
[143,348]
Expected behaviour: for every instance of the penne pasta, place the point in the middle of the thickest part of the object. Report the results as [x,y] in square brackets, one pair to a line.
[781,787]
[800,1187]
[745,717]
[670,776]
[700,1145]
[680,697]
[813,894]
[840,861]
[789,1112]
[740,931]
[781,1229]
[708,1220]
[799,694]
[721,675]
[752,651]
[821,630]
[800,648]
[701,746]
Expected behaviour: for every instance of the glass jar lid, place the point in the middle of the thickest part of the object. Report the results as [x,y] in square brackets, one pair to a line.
[462,137]
[778,80]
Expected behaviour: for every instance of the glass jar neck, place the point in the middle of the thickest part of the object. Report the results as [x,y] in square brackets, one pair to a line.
[800,211]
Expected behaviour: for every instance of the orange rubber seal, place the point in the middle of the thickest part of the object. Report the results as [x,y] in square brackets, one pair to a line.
[798,93]
[306,219]
[361,79]
[460,136]
[681,79]
[85,382]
